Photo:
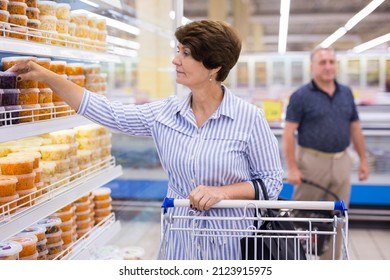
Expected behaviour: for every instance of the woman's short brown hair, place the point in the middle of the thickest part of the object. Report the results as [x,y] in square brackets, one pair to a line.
[214,43]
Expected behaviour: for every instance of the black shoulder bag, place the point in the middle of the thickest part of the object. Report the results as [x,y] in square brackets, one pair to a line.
[272,246]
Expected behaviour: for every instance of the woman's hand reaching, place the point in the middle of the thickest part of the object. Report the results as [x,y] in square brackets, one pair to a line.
[29,70]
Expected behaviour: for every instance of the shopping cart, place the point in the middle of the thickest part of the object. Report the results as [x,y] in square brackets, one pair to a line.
[321,241]
[190,234]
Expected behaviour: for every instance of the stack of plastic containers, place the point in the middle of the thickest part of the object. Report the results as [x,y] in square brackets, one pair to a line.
[18,19]
[9,95]
[48,18]
[102,200]
[33,22]
[63,21]
[83,215]
[53,235]
[8,194]
[21,168]
[28,184]
[95,80]
[58,155]
[20,99]
[39,233]
[29,246]
[59,67]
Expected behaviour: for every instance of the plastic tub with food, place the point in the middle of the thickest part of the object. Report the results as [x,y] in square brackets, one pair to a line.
[8,204]
[101,194]
[17,165]
[28,96]
[29,244]
[8,185]
[10,97]
[25,181]
[9,250]
[27,197]
[8,80]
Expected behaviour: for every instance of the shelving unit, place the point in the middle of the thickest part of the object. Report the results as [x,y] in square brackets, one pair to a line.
[23,47]
[13,132]
[13,221]
[55,199]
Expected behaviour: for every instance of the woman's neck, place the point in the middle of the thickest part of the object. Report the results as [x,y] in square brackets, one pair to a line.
[205,102]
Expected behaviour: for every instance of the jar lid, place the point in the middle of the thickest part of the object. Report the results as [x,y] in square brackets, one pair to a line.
[4,12]
[63,5]
[133,252]
[12,3]
[9,248]
[25,240]
[17,58]
[101,191]
[49,3]
[50,221]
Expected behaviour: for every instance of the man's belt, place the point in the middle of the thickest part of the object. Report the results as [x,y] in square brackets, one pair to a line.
[323,154]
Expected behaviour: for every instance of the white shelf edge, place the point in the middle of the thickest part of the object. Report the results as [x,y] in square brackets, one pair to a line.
[25,47]
[45,208]
[96,239]
[17,131]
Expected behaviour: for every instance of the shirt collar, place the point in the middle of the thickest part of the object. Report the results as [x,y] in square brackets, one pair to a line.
[314,86]
[226,107]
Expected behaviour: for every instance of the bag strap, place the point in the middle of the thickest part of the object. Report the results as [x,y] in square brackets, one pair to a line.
[263,189]
[256,183]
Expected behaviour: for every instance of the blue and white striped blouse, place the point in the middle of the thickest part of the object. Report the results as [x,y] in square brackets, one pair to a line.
[234,145]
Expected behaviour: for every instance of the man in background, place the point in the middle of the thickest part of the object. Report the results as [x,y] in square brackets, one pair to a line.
[326,118]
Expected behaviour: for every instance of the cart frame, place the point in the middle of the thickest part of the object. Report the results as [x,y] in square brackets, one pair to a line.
[202,238]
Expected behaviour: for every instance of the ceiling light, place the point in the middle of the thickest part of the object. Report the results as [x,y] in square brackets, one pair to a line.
[351,23]
[112,22]
[373,43]
[363,13]
[283,25]
[334,37]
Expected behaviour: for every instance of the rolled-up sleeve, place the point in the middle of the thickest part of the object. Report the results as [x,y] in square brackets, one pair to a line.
[264,157]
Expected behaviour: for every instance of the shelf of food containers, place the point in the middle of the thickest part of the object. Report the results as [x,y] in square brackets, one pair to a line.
[10,131]
[24,47]
[87,247]
[15,216]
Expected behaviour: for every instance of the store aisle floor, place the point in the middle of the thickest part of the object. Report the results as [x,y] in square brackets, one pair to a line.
[140,223]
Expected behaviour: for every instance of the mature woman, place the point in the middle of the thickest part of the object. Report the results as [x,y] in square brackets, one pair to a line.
[211,145]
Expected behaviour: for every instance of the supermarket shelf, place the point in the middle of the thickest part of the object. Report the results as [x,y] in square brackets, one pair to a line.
[54,200]
[17,131]
[24,47]
[97,237]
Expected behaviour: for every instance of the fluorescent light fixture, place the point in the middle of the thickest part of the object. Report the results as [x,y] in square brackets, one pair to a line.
[283,25]
[123,42]
[363,13]
[373,43]
[112,22]
[351,23]
[334,37]
[93,4]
